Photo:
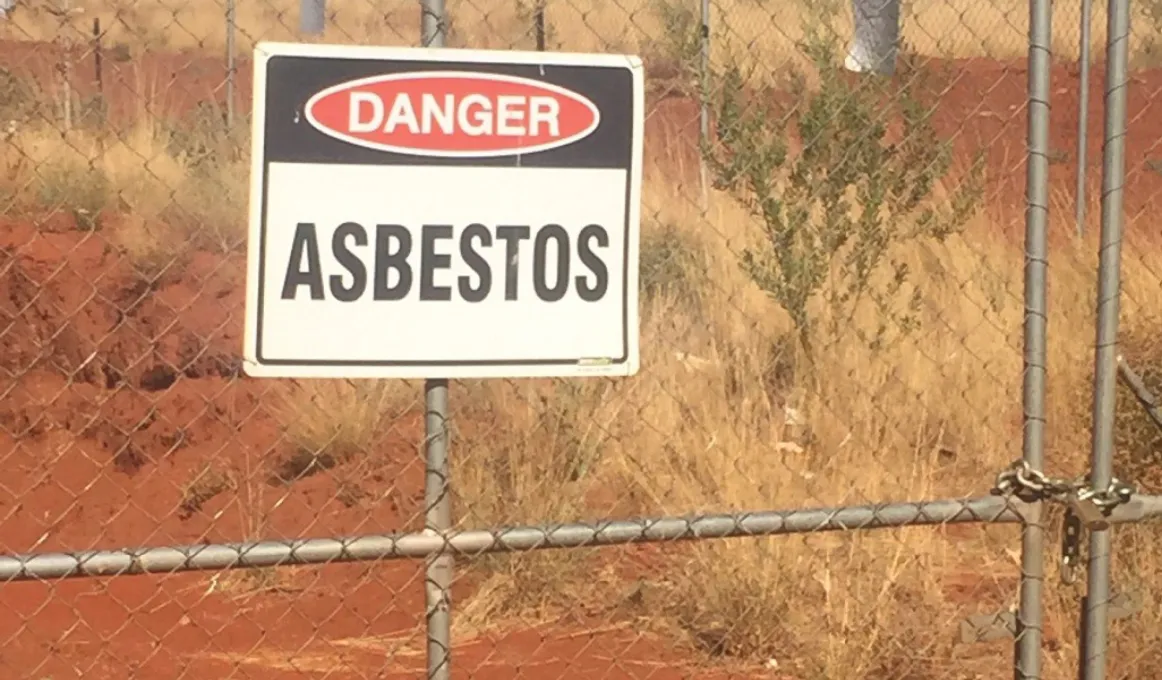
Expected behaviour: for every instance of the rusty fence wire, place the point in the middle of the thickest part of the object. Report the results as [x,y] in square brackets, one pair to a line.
[848,220]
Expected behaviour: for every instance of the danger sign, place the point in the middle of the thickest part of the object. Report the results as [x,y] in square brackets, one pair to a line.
[443,213]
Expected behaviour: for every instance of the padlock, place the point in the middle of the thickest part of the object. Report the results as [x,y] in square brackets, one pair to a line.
[1086,509]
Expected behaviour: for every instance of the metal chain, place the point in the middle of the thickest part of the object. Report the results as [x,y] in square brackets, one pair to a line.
[1021,480]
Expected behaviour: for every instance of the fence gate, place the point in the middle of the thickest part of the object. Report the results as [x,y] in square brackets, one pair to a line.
[800,219]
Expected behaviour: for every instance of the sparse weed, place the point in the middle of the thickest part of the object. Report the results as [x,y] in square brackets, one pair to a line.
[78,188]
[210,482]
[20,102]
[671,263]
[329,422]
[677,47]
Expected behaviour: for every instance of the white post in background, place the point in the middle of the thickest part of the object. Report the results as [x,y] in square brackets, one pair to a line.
[874,47]
[66,64]
[312,17]
[1083,113]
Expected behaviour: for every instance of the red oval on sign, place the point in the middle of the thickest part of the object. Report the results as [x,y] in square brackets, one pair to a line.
[452,113]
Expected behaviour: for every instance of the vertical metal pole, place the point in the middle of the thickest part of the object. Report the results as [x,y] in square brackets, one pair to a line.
[539,23]
[312,17]
[1027,652]
[98,71]
[1093,648]
[67,64]
[231,67]
[432,27]
[1083,113]
[704,113]
[438,581]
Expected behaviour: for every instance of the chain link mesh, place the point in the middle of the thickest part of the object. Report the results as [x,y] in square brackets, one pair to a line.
[831,283]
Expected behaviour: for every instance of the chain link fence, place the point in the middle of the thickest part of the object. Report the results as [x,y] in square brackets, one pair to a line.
[844,284]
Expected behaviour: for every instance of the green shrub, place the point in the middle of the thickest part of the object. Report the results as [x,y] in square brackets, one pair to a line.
[677,51]
[833,212]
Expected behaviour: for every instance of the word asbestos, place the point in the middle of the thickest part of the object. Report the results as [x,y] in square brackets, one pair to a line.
[392,274]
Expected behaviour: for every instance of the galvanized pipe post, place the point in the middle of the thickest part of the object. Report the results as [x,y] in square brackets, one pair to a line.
[1083,113]
[1095,628]
[1027,652]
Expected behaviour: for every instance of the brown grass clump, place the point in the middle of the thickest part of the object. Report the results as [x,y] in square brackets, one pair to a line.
[167,202]
[328,422]
[208,483]
[1139,438]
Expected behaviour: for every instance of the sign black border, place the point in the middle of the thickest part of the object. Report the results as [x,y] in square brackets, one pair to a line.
[449,64]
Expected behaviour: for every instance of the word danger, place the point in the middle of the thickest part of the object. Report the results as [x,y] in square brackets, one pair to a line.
[453,114]
[473,114]
[386,263]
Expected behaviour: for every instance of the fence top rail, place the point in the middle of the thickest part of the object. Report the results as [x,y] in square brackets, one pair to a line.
[267,553]
[317,551]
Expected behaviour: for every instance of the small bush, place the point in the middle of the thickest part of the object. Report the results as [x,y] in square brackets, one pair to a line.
[833,213]
[676,53]
[84,190]
[202,140]
[1137,437]
[19,100]
[211,207]
[207,484]
[329,422]
[210,201]
[149,246]
[671,262]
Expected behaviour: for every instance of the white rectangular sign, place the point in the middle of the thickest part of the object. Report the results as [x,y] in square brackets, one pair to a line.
[443,213]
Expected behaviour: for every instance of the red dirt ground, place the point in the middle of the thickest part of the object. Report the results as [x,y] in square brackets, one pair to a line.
[115,395]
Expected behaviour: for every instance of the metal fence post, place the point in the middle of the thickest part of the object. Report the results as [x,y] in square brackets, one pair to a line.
[432,28]
[438,578]
[1027,653]
[312,16]
[1083,112]
[99,72]
[1096,622]
[437,499]
[66,65]
[539,23]
[231,66]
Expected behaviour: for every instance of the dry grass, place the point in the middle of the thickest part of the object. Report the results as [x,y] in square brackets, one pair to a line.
[706,437]
[209,482]
[329,422]
[166,204]
[762,30]
[705,426]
